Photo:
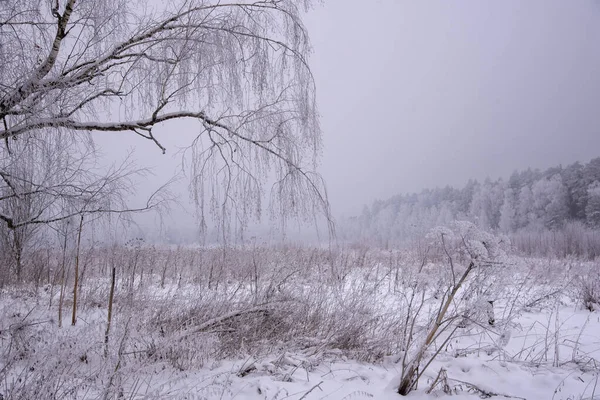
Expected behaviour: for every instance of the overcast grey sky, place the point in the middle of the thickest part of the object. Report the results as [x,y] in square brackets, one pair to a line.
[417,94]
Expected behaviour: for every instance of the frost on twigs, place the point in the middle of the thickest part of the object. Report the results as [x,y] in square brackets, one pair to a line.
[238,70]
[468,262]
[271,322]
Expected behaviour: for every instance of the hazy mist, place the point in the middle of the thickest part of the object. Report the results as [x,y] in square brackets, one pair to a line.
[420,94]
[424,94]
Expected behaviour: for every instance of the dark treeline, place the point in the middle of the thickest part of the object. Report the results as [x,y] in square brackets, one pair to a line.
[537,209]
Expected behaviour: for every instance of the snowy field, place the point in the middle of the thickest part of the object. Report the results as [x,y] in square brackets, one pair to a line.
[291,323]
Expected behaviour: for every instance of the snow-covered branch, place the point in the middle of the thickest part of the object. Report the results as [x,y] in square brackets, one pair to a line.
[239,69]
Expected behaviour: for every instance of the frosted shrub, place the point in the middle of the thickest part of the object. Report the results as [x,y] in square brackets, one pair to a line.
[589,287]
[468,264]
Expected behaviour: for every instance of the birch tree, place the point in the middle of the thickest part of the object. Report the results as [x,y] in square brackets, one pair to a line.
[238,70]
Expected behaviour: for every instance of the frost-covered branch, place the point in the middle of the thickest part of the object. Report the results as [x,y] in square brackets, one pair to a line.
[238,68]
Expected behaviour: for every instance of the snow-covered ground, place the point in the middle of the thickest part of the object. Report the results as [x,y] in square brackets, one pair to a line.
[289,326]
[522,370]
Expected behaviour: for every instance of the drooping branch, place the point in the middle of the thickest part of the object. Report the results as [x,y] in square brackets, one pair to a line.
[239,68]
[71,124]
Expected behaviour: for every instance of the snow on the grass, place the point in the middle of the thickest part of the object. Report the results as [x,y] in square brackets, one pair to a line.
[522,369]
[345,380]
[518,378]
[547,352]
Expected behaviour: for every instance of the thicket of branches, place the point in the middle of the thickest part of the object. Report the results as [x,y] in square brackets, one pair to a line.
[180,309]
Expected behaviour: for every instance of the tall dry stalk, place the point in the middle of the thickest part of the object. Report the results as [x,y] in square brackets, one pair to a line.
[75,284]
[111,297]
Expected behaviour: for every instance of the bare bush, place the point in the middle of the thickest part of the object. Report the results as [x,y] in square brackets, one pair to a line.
[472,259]
[588,286]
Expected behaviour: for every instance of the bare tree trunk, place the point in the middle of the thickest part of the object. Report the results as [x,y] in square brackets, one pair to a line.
[52,284]
[163,276]
[210,275]
[111,297]
[18,257]
[141,282]
[62,281]
[48,265]
[255,277]
[83,270]
[74,315]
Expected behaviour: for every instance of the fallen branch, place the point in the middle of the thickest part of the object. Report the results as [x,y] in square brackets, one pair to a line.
[213,322]
[545,297]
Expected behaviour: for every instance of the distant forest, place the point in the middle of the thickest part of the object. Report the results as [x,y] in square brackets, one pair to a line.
[556,210]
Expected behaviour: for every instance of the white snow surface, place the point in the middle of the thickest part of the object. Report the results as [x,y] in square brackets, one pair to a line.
[548,351]
[295,376]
